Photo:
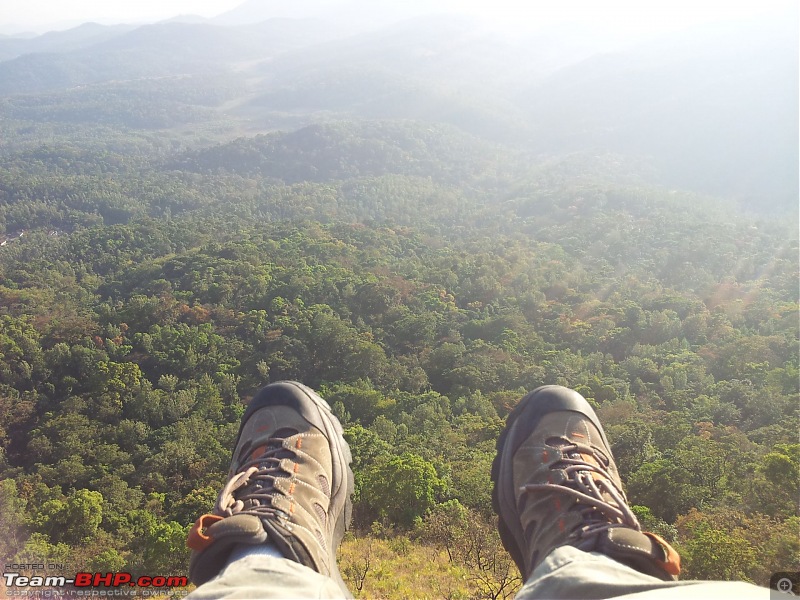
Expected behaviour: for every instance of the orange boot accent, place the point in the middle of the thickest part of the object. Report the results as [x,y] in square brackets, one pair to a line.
[673,562]
[197,539]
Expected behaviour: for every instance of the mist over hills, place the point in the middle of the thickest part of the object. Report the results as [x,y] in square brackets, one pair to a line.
[706,111]
[154,51]
[711,110]
[60,41]
[348,15]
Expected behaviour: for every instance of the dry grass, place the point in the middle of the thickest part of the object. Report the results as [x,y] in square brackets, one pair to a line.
[398,569]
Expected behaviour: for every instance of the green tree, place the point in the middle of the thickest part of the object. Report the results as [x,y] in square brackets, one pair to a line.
[713,552]
[402,488]
[12,525]
[73,520]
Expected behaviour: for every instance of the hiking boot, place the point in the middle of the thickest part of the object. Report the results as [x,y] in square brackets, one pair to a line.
[556,484]
[289,484]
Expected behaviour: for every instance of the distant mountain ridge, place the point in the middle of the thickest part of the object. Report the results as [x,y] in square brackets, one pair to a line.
[347,14]
[713,109]
[338,151]
[76,38]
[154,51]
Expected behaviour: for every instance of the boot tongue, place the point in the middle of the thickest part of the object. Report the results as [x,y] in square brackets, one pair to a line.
[282,434]
[273,446]
[581,451]
[590,475]
[271,452]
[576,451]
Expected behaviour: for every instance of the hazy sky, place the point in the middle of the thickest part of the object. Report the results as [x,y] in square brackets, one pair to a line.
[38,14]
[655,15]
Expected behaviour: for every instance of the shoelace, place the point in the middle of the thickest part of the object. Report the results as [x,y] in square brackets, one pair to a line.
[587,490]
[265,469]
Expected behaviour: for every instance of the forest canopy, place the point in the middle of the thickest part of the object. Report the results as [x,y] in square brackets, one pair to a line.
[172,240]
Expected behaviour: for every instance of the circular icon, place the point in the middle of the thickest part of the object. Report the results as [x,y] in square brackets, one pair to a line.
[785,585]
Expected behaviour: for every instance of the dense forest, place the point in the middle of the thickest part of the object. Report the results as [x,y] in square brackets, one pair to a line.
[172,240]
